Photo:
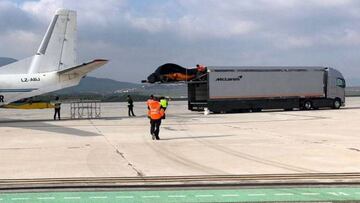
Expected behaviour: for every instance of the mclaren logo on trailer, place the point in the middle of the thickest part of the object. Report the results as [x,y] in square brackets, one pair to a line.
[230,79]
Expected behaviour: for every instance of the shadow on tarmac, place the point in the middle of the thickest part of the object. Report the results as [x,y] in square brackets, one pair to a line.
[197,137]
[350,108]
[44,125]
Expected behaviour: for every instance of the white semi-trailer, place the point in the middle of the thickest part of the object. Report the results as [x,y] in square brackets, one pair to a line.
[232,89]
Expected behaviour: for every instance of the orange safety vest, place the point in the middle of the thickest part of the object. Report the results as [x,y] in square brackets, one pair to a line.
[155,111]
[148,102]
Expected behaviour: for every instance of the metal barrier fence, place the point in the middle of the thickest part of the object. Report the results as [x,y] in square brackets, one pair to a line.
[85,109]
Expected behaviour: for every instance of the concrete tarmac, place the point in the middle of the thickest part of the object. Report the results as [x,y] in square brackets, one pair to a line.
[34,146]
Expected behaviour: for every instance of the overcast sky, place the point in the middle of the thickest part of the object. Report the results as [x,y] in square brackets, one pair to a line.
[139,35]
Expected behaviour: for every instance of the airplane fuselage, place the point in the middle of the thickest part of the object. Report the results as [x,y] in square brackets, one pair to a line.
[17,86]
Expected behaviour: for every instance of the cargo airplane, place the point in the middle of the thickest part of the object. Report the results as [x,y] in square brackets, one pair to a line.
[52,68]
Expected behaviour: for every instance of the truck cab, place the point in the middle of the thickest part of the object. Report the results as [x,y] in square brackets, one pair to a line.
[336,87]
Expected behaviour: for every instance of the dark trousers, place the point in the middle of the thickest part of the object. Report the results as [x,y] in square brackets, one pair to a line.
[164,112]
[155,128]
[57,111]
[131,111]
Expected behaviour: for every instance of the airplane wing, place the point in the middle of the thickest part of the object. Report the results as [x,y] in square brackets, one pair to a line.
[84,68]
[29,105]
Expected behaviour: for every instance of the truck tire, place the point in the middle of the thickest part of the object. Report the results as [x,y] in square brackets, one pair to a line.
[336,104]
[307,105]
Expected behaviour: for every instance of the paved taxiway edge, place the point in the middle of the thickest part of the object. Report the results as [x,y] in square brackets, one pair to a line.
[185,181]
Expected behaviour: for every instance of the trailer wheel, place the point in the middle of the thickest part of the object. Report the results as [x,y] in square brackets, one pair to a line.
[336,104]
[307,105]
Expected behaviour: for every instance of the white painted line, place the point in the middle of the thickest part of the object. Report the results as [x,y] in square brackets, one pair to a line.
[20,198]
[284,194]
[307,193]
[176,196]
[260,194]
[338,193]
[124,197]
[151,196]
[45,198]
[72,197]
[230,195]
[358,193]
[204,195]
[98,197]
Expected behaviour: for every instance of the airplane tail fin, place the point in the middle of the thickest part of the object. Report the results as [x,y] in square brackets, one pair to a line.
[57,50]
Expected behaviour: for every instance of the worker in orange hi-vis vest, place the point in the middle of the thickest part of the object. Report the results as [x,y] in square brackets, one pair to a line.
[150,100]
[155,113]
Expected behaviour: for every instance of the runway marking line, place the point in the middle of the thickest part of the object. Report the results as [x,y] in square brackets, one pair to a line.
[124,197]
[72,197]
[151,196]
[20,198]
[310,193]
[338,193]
[204,195]
[45,198]
[98,197]
[259,194]
[176,196]
[230,195]
[233,195]
[283,194]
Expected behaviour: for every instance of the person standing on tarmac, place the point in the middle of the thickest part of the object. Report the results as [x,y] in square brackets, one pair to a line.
[155,113]
[150,100]
[57,107]
[164,104]
[130,106]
